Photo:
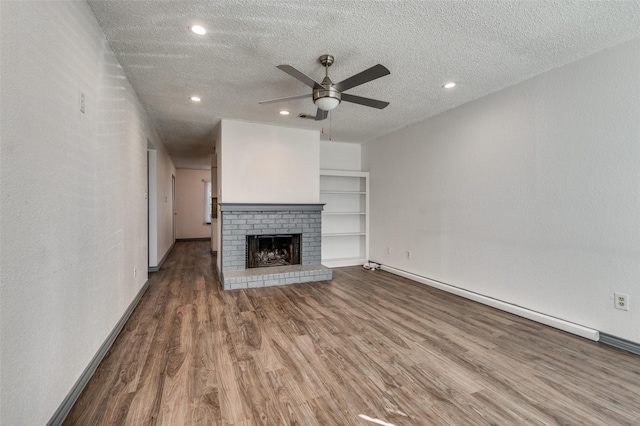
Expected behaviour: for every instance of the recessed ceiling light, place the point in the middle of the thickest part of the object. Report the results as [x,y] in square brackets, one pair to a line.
[195,99]
[198,29]
[449,85]
[284,112]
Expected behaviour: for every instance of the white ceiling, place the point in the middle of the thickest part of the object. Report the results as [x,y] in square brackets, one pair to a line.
[483,45]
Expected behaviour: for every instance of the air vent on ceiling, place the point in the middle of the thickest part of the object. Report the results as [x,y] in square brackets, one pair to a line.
[308,116]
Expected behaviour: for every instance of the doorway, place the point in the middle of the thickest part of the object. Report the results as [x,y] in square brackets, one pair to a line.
[152,206]
[173,205]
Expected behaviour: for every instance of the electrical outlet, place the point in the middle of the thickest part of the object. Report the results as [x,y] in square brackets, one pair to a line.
[82,103]
[388,250]
[135,272]
[621,301]
[409,254]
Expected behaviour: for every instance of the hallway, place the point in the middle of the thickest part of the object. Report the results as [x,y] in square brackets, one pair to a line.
[367,345]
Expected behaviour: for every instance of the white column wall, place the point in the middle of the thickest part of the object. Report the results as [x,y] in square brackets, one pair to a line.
[268,164]
[530,195]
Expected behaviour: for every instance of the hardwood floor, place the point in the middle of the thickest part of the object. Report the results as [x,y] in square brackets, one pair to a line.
[366,347]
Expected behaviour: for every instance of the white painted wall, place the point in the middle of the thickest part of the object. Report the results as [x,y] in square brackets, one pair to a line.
[190,203]
[530,195]
[217,156]
[152,164]
[74,214]
[340,156]
[218,171]
[268,164]
[164,208]
[160,214]
[214,193]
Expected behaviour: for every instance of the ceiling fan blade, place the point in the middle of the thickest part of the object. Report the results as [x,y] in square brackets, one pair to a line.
[299,75]
[290,98]
[364,101]
[365,76]
[321,114]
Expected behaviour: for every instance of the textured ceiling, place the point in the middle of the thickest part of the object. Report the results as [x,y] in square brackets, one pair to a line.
[483,45]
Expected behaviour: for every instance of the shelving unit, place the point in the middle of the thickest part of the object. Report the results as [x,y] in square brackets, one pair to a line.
[345,218]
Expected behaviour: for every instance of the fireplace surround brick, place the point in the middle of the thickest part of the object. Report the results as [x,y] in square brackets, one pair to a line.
[240,220]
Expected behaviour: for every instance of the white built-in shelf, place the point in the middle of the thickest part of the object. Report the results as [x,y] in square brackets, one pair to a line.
[345,219]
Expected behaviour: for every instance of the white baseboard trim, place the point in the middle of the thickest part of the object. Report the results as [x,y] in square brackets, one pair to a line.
[71,398]
[569,327]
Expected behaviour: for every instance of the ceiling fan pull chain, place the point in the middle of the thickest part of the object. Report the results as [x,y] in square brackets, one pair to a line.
[330,127]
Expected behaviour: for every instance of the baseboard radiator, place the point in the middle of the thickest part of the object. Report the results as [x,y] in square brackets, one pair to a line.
[558,323]
[619,343]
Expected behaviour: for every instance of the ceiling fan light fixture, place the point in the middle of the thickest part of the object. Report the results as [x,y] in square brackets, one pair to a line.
[327,103]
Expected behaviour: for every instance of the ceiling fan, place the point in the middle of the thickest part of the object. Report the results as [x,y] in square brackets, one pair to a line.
[328,95]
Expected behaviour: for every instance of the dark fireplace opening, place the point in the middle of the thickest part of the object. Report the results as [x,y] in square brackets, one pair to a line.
[273,250]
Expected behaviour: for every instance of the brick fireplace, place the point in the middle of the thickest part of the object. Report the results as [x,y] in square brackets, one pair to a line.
[271,222]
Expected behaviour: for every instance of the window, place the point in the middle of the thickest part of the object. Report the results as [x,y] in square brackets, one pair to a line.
[208,205]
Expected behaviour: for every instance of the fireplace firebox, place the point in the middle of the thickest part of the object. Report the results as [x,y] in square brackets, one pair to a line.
[273,250]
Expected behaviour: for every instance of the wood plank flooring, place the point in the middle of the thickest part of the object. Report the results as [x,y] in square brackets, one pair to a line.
[366,348]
